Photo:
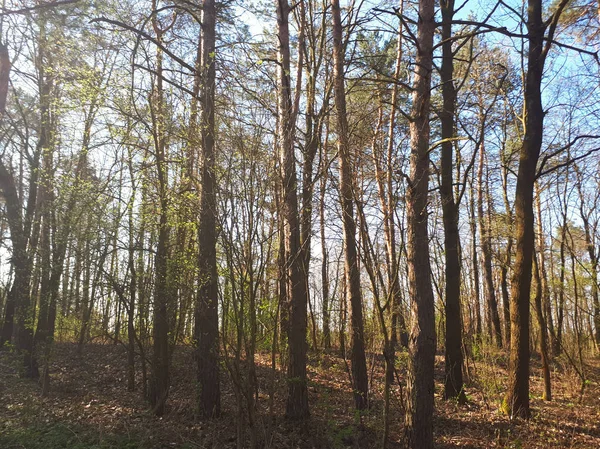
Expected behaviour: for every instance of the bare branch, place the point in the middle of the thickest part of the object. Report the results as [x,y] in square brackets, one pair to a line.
[567,162]
[57,4]
[148,37]
[560,150]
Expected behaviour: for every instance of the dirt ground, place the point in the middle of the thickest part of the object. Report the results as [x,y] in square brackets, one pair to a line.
[89,407]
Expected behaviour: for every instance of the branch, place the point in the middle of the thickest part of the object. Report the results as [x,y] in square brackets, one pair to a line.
[167,80]
[442,141]
[560,150]
[567,162]
[553,23]
[148,37]
[501,30]
[405,21]
[386,80]
[513,10]
[475,32]
[6,12]
[593,54]
[4,77]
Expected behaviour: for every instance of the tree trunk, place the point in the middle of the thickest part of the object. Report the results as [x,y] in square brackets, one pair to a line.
[547,312]
[419,416]
[325,256]
[475,258]
[311,147]
[508,256]
[516,402]
[159,381]
[132,288]
[297,401]
[493,321]
[453,382]
[359,363]
[207,319]
[547,394]
[557,342]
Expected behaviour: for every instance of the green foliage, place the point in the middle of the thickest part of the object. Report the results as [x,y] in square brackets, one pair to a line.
[58,436]
[295,380]
[515,444]
[343,435]
[489,356]
[67,327]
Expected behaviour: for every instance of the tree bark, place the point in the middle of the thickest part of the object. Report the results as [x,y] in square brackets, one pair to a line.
[325,256]
[359,362]
[557,341]
[547,394]
[159,381]
[422,345]
[453,381]
[504,276]
[516,402]
[475,258]
[207,318]
[493,321]
[297,401]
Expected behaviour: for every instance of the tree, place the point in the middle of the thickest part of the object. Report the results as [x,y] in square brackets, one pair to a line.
[453,384]
[586,209]
[352,273]
[159,382]
[494,328]
[516,402]
[297,401]
[207,319]
[422,343]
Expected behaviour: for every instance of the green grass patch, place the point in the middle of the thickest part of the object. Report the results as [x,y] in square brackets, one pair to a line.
[58,436]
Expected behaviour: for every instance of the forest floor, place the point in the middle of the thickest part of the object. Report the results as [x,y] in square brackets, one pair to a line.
[89,407]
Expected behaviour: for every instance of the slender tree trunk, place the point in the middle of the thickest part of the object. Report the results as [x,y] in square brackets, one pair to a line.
[282,274]
[453,382]
[325,256]
[379,289]
[160,378]
[24,234]
[493,320]
[399,327]
[557,343]
[359,363]
[547,394]
[297,401]
[159,382]
[475,259]
[9,316]
[86,310]
[419,416]
[207,319]
[507,258]
[542,266]
[311,148]
[516,402]
[132,289]
[388,202]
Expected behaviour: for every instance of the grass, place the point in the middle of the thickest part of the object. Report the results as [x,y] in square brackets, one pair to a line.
[57,435]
